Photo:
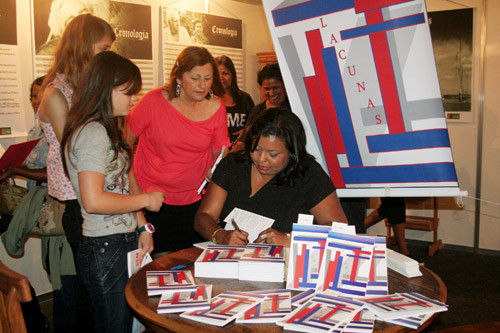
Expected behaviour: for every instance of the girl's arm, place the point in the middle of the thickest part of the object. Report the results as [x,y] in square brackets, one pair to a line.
[97,201]
[54,110]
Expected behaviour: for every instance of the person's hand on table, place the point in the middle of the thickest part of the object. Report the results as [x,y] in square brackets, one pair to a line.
[271,236]
[232,237]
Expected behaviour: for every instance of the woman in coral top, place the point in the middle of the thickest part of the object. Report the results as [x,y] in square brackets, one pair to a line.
[182,128]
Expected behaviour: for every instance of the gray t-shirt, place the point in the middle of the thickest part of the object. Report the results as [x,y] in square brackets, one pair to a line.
[91,150]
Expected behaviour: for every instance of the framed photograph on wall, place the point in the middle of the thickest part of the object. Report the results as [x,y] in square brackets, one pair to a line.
[452,40]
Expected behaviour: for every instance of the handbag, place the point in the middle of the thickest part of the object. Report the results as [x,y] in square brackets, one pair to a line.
[10,196]
[49,222]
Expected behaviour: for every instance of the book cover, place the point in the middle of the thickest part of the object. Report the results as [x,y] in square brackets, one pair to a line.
[219,261]
[378,280]
[225,307]
[189,300]
[306,252]
[16,154]
[403,305]
[262,262]
[363,322]
[273,308]
[159,282]
[322,313]
[133,263]
[346,264]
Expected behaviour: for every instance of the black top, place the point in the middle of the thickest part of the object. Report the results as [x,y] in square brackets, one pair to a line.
[237,116]
[261,107]
[281,203]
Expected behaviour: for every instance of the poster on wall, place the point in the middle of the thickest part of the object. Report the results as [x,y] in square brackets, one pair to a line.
[220,35]
[451,32]
[12,117]
[131,24]
[361,76]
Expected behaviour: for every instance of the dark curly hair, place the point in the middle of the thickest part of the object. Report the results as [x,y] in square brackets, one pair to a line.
[285,125]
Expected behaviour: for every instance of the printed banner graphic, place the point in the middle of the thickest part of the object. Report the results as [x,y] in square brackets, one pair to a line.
[361,76]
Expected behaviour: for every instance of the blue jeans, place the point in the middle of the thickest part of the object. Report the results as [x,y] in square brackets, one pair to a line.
[102,269]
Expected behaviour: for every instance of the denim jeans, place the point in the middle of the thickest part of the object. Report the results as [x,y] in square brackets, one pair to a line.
[102,265]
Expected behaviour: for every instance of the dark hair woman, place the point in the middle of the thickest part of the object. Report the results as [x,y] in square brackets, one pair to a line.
[275,177]
[98,160]
[182,128]
[238,103]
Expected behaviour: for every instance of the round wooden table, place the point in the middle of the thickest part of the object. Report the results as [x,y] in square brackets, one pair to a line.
[429,284]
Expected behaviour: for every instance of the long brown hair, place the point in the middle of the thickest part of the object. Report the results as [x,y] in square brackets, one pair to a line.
[75,49]
[234,90]
[93,99]
[189,58]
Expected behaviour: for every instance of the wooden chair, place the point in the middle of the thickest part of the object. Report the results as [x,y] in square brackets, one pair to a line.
[425,223]
[14,288]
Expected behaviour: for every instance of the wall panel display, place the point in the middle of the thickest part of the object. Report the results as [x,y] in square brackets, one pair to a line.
[361,75]
[12,98]
[131,23]
[220,35]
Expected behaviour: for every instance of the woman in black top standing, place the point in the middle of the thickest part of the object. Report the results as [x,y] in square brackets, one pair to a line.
[238,103]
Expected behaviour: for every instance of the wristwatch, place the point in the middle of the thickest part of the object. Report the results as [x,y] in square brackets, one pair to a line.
[147,227]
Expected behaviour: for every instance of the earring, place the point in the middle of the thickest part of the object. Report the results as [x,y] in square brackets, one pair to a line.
[178,90]
[211,93]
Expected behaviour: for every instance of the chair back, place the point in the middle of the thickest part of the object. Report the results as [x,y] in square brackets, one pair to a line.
[14,289]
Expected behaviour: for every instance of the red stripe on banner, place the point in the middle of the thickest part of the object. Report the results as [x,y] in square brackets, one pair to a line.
[315,44]
[366,5]
[371,276]
[303,313]
[385,73]
[176,298]
[274,302]
[329,314]
[231,253]
[235,304]
[324,131]
[256,252]
[299,267]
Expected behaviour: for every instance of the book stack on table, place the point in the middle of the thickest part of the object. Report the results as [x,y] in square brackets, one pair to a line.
[253,262]
[402,264]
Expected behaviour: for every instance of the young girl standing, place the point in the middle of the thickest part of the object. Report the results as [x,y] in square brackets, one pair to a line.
[98,161]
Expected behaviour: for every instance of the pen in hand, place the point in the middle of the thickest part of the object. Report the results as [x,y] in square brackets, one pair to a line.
[235,226]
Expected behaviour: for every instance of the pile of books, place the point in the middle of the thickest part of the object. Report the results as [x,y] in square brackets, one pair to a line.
[402,264]
[178,291]
[253,262]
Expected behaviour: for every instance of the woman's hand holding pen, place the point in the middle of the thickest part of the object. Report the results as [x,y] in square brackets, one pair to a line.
[233,237]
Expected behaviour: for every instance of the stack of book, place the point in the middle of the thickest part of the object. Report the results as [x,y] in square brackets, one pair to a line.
[402,264]
[253,262]
[178,291]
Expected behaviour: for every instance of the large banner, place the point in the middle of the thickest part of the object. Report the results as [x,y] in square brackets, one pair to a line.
[12,98]
[361,75]
[131,23]
[220,35]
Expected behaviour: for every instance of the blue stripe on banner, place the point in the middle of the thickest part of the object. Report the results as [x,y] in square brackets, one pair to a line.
[411,140]
[436,172]
[383,26]
[309,10]
[341,107]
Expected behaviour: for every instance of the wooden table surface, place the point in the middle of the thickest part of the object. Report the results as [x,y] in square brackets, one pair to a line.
[429,284]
